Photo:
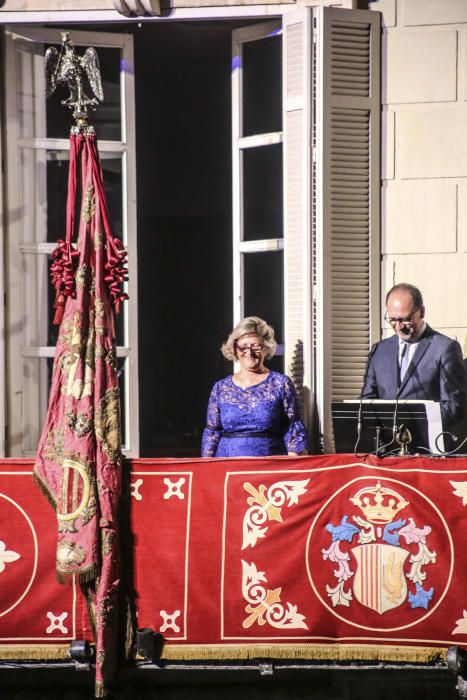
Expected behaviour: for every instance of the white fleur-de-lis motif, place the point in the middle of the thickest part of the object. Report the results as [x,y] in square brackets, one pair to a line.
[460,489]
[265,605]
[6,556]
[266,504]
[461,625]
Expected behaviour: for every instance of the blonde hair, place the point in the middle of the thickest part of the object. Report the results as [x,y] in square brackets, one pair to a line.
[251,325]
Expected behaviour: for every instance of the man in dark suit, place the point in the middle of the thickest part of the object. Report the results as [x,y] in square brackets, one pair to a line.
[417,362]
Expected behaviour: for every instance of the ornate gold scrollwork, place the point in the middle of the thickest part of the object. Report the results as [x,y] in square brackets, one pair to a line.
[70,464]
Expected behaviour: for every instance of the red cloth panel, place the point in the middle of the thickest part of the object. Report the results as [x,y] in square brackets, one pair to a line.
[301,553]
[282,557]
[36,612]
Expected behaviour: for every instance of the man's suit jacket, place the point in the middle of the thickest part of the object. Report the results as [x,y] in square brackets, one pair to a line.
[436,372]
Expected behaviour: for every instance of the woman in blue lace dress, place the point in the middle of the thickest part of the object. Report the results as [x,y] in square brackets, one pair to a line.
[253,412]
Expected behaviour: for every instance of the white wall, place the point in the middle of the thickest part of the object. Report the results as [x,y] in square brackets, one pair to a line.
[424,187]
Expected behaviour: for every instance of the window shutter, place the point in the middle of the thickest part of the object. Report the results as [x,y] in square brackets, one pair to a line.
[297,156]
[346,194]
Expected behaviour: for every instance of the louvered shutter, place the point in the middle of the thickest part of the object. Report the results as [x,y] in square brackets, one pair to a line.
[346,194]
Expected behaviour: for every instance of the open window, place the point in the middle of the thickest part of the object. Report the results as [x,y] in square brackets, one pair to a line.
[275,214]
[306,108]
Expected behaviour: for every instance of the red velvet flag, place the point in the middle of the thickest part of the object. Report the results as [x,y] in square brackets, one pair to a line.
[78,465]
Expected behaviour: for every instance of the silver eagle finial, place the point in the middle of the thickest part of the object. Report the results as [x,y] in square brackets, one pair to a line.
[80,74]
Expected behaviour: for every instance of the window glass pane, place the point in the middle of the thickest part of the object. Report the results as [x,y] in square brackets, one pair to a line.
[47,223]
[264,293]
[57,186]
[262,86]
[106,118]
[123,380]
[262,192]
[44,185]
[112,174]
[31,89]
[119,320]
[36,386]
[35,283]
[33,196]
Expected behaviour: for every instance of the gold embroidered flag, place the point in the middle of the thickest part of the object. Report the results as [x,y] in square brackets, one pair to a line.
[78,464]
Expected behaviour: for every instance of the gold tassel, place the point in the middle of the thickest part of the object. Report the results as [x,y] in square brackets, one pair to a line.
[65,577]
[45,490]
[311,652]
[50,652]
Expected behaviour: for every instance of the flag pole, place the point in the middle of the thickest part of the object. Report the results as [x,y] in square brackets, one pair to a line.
[79,459]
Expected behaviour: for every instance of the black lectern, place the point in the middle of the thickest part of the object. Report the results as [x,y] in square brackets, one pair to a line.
[418,426]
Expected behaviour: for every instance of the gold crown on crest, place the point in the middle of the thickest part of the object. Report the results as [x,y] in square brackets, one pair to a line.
[378,504]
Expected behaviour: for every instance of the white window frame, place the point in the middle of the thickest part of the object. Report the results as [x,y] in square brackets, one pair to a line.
[18,351]
[3,423]
[240,144]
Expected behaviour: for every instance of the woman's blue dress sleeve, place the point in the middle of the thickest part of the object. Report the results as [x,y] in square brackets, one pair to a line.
[212,432]
[295,438]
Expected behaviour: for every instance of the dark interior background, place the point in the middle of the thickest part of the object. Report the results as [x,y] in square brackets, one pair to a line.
[184,208]
[183,122]
[184,163]
[184,226]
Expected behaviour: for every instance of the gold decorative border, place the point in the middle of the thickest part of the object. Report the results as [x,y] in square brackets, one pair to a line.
[312,652]
[46,652]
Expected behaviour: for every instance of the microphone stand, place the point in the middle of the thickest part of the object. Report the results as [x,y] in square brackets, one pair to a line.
[394,428]
[394,417]
[394,422]
[360,407]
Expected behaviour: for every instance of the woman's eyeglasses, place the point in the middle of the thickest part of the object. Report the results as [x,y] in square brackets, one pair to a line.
[253,348]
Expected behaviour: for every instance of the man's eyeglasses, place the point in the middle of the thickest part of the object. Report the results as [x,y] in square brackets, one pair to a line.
[405,321]
[256,347]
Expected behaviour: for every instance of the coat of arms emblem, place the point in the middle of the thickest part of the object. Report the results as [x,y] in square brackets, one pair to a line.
[381,557]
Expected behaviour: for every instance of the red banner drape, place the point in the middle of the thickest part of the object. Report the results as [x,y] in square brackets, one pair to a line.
[78,464]
[322,558]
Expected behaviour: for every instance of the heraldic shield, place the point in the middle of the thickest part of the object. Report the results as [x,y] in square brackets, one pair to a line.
[379,582]
[382,553]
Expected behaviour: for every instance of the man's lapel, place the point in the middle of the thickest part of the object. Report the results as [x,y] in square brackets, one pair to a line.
[422,347]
